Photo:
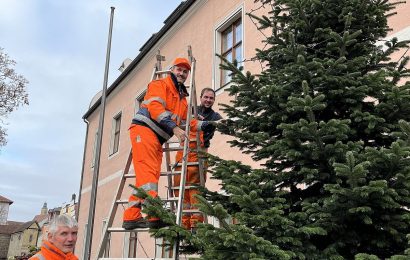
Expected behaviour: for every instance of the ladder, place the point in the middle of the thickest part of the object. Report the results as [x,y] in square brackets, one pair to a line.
[175,203]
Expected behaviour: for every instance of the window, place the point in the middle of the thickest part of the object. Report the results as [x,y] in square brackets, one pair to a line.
[94,149]
[138,100]
[30,238]
[116,130]
[231,47]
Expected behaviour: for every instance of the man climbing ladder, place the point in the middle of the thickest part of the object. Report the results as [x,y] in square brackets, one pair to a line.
[160,116]
[205,112]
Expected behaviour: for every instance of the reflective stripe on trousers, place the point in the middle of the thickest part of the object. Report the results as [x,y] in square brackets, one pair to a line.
[146,157]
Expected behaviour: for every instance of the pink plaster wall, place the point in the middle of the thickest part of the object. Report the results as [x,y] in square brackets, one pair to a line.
[199,32]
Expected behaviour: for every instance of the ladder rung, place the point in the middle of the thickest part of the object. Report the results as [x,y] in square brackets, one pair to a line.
[170,173]
[191,211]
[171,199]
[172,142]
[118,229]
[149,258]
[159,72]
[129,175]
[188,164]
[186,187]
[173,149]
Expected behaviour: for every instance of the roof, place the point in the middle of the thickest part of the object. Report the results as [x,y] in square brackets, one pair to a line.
[58,209]
[39,218]
[172,18]
[25,226]
[10,227]
[6,200]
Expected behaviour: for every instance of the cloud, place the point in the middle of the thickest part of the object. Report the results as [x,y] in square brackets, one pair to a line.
[60,48]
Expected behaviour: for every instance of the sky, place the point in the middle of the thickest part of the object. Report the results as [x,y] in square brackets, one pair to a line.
[60,48]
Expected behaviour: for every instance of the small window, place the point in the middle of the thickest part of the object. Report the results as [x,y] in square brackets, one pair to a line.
[138,100]
[30,238]
[231,47]
[116,130]
[94,149]
[19,236]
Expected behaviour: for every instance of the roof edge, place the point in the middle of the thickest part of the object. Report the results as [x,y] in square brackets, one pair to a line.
[146,47]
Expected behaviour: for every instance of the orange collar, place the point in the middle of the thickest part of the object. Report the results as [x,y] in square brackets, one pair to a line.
[52,252]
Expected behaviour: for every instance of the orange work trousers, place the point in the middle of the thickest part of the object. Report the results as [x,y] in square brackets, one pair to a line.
[147,159]
[189,220]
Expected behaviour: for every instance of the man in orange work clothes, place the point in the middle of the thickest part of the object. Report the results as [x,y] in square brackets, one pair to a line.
[61,239]
[205,112]
[163,110]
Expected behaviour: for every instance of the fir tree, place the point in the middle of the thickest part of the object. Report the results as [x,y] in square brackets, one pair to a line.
[328,117]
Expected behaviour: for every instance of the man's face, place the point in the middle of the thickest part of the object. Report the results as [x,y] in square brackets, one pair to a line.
[64,239]
[181,73]
[208,99]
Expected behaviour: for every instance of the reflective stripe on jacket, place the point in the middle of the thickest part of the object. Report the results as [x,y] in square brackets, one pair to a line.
[165,107]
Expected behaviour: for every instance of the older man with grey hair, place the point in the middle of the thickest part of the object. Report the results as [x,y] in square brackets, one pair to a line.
[61,239]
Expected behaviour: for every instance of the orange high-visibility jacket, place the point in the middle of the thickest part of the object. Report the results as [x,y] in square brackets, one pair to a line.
[50,252]
[164,108]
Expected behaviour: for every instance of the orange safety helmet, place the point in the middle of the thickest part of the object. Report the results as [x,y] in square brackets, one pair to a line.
[182,62]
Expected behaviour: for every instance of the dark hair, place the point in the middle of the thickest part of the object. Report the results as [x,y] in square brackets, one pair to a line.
[207,89]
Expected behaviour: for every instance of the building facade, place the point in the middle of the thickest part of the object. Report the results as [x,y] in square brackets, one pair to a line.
[4,209]
[5,235]
[23,238]
[209,27]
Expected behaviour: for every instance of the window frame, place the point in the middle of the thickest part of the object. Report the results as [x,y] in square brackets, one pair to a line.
[138,100]
[115,134]
[235,45]
[232,18]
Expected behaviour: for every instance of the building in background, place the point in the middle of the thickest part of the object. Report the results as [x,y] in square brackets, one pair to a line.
[210,27]
[22,238]
[4,209]
[17,237]
[5,235]
[70,208]
[42,220]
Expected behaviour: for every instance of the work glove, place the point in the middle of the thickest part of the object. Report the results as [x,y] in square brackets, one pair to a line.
[209,126]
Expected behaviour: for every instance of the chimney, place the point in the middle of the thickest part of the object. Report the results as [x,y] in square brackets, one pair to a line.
[125,64]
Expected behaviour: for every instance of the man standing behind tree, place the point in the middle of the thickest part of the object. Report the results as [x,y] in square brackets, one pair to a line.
[61,239]
[205,113]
